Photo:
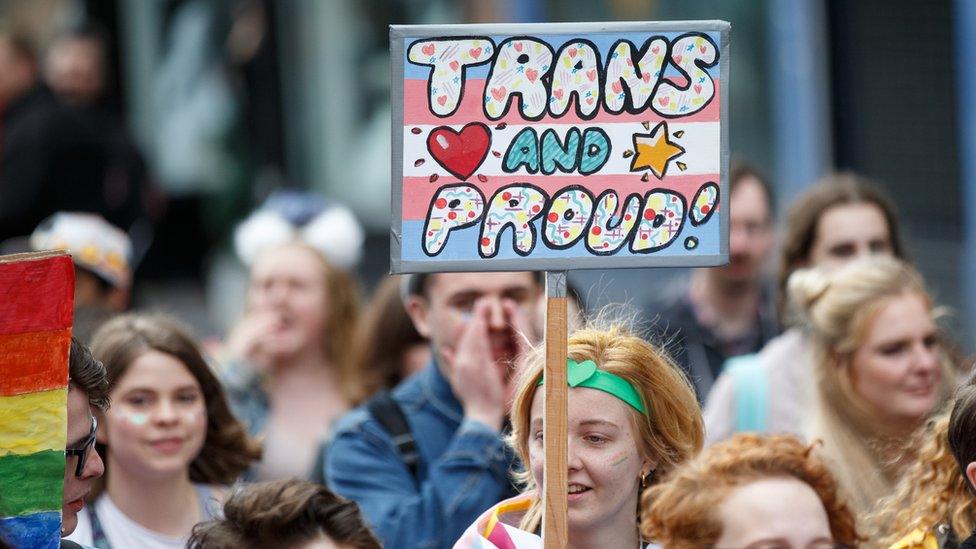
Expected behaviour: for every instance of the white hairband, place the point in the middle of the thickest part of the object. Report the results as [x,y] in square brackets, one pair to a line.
[335,233]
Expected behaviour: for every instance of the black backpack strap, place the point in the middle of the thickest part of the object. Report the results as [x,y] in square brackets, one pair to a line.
[389,414]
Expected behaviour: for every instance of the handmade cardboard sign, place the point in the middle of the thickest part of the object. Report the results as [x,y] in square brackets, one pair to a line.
[35,336]
[559,146]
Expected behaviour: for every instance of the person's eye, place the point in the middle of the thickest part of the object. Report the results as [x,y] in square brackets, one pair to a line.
[879,246]
[893,349]
[595,439]
[464,305]
[188,397]
[845,250]
[537,436]
[138,400]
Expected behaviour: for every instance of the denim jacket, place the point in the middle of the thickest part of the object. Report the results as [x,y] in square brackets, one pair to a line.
[464,467]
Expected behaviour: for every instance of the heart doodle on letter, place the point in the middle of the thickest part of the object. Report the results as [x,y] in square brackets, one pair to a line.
[460,153]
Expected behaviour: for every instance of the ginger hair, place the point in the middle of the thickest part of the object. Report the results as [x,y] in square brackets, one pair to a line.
[681,513]
[932,492]
[671,431]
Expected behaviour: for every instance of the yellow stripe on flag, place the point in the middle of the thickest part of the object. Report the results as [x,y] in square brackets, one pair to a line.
[33,422]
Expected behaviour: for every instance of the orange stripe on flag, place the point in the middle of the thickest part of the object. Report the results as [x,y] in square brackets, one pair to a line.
[36,361]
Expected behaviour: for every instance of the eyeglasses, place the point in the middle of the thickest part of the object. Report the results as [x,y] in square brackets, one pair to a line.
[84,449]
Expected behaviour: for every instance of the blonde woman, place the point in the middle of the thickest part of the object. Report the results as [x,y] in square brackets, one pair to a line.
[880,370]
[633,417]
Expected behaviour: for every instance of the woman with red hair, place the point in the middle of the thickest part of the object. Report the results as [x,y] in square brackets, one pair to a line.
[749,491]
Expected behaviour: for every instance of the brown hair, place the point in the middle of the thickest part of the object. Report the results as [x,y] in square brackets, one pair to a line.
[383,335]
[227,451]
[740,171]
[681,511]
[88,375]
[961,429]
[283,513]
[843,188]
[933,491]
[670,432]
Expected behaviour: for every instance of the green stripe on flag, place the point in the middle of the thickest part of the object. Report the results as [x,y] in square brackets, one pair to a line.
[31,483]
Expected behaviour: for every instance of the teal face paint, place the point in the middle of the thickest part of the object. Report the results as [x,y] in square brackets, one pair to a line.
[134,418]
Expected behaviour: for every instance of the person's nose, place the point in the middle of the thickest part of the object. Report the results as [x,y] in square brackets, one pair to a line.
[94,467]
[574,461]
[926,360]
[166,412]
[738,238]
[496,314]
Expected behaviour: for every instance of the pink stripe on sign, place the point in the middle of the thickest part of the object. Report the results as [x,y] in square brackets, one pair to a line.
[419,191]
[416,109]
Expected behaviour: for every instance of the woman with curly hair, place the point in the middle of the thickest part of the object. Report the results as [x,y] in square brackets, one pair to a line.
[932,502]
[632,417]
[750,491]
[287,514]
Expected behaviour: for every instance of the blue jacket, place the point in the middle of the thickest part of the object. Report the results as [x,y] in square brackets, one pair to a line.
[464,467]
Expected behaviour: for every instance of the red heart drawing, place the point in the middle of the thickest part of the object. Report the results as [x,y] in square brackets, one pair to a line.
[664,100]
[558,92]
[655,49]
[646,76]
[475,52]
[441,100]
[702,48]
[617,87]
[454,65]
[677,59]
[698,88]
[572,52]
[531,74]
[518,46]
[428,49]
[498,93]
[591,74]
[460,153]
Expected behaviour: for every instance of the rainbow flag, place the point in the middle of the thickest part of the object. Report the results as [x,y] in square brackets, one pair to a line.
[497,528]
[36,300]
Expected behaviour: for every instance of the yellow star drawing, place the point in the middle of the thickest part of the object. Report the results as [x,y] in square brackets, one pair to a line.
[655,151]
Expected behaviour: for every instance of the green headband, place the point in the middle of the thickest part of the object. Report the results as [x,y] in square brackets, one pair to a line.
[586,374]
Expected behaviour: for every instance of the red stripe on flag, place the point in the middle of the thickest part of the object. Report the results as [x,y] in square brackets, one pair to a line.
[36,295]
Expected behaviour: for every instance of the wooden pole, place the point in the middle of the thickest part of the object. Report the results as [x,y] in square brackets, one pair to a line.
[555,434]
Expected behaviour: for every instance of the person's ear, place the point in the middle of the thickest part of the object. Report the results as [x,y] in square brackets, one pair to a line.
[648,467]
[971,473]
[419,310]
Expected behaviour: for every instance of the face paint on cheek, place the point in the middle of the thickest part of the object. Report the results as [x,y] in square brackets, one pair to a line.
[192,417]
[619,458]
[133,418]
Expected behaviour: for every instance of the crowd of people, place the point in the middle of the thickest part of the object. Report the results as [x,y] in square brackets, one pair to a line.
[825,409]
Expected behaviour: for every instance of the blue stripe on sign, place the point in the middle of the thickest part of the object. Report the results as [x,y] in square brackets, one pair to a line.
[37,530]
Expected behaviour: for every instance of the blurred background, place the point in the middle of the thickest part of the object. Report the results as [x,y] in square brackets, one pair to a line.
[215,103]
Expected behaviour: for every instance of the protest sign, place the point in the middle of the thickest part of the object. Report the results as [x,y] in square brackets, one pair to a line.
[559,146]
[35,336]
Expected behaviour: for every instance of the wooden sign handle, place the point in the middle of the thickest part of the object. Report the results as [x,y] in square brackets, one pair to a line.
[555,434]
